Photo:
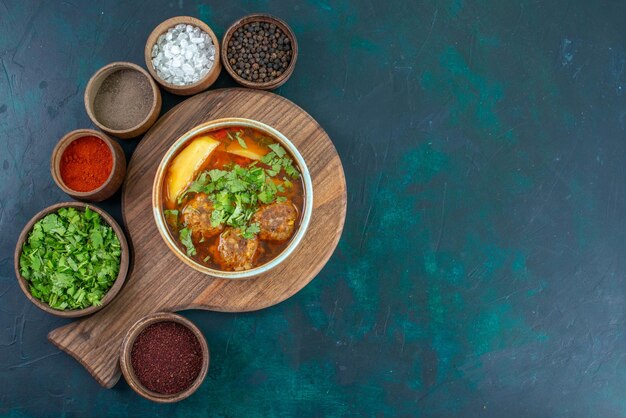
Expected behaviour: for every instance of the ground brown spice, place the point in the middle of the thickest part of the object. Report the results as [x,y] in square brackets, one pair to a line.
[166,357]
[123,100]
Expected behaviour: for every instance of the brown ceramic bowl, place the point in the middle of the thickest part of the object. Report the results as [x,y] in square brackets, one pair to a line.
[94,85]
[110,186]
[126,364]
[200,85]
[113,291]
[259,17]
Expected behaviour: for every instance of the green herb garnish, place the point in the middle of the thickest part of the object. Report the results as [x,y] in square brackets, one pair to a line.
[241,142]
[280,151]
[237,192]
[250,231]
[237,137]
[185,239]
[172,216]
[70,259]
[277,159]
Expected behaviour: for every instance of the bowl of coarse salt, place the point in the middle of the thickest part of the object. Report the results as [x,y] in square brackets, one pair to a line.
[183,55]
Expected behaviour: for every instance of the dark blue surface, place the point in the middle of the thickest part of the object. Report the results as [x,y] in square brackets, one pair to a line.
[482,267]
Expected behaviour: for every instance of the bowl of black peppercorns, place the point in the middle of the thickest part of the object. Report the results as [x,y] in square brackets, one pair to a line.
[259,51]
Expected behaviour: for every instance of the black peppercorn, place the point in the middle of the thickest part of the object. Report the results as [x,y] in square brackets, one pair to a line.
[259,51]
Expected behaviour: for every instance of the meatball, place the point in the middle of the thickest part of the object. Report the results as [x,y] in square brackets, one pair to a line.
[197,216]
[235,252]
[276,221]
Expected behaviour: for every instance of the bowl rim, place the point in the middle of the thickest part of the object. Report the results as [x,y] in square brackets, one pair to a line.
[117,284]
[126,362]
[157,189]
[60,148]
[263,17]
[111,68]
[160,29]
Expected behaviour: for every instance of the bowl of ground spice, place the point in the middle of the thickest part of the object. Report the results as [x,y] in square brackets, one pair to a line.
[164,357]
[88,165]
[122,99]
[259,51]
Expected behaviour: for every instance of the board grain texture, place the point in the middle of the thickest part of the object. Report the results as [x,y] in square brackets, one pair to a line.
[158,280]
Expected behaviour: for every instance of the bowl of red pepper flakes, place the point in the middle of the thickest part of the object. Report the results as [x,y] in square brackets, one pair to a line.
[164,357]
[88,165]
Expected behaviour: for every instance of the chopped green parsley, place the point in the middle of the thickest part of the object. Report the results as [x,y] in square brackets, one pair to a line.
[71,259]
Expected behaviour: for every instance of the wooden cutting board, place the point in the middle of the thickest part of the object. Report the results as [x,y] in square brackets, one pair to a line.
[158,281]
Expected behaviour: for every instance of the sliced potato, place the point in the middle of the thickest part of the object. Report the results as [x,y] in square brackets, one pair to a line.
[254,151]
[185,166]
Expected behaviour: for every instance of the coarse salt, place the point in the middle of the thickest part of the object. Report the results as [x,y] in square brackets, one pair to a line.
[183,55]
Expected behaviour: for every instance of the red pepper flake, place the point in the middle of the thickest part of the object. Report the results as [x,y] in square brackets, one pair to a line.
[86,164]
[166,357]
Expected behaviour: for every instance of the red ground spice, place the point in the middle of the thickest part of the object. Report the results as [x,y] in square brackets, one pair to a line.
[86,164]
[166,357]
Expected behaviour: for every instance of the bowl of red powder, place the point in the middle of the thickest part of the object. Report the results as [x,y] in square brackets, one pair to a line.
[164,357]
[88,165]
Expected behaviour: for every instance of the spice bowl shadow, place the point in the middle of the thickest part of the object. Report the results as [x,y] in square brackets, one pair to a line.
[122,99]
[110,185]
[110,294]
[261,18]
[126,364]
[203,83]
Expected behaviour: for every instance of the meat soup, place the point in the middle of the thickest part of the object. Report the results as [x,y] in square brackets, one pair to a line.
[233,198]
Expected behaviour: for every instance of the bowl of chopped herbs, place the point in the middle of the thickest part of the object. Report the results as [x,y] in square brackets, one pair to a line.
[71,259]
